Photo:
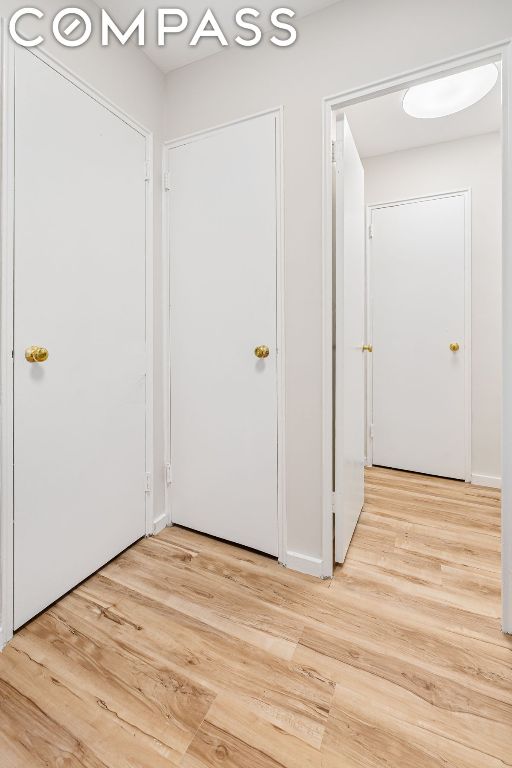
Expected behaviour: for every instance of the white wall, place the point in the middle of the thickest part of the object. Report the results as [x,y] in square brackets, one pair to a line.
[128,79]
[473,163]
[350,44]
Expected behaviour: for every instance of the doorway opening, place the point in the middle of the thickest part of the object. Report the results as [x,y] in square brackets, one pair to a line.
[416,263]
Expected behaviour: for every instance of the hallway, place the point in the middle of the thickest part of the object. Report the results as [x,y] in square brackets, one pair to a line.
[186,651]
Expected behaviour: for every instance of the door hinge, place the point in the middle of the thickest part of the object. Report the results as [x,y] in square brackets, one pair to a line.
[333,502]
[147,486]
[147,171]
[167,181]
[371,432]
[370,231]
[168,474]
[336,151]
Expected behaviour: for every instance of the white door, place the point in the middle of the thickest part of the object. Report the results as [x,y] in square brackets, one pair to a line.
[222,207]
[349,339]
[79,417]
[420,400]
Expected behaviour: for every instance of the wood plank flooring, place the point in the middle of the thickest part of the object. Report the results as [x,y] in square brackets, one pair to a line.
[189,652]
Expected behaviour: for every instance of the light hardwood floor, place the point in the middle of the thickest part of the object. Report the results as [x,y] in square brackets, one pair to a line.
[189,652]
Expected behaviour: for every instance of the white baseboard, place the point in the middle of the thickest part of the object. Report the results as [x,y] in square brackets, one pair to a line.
[313,566]
[160,523]
[488,481]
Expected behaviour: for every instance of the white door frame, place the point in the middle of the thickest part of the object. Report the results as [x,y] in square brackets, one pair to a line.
[502,51]
[466,195]
[7,52]
[280,314]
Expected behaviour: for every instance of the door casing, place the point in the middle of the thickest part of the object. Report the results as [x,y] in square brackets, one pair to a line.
[466,195]
[285,556]
[7,51]
[501,52]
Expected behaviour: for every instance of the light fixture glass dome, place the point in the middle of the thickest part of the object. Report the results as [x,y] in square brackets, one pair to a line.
[451,94]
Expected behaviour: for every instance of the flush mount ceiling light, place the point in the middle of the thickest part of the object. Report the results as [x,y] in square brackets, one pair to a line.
[451,94]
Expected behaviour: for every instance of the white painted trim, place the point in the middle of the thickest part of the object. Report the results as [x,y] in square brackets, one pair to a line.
[415,76]
[407,200]
[199,135]
[89,89]
[150,300]
[506,460]
[7,318]
[500,51]
[368,334]
[312,566]
[468,330]
[159,523]
[281,340]
[328,250]
[6,342]
[278,112]
[466,195]
[487,481]
[166,341]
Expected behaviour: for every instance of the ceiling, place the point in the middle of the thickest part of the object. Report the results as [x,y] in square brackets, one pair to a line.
[177,52]
[381,126]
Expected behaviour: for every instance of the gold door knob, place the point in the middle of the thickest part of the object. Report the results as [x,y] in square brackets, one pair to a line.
[262,352]
[454,347]
[367,348]
[36,355]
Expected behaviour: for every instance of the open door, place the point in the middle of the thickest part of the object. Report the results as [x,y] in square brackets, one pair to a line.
[349,331]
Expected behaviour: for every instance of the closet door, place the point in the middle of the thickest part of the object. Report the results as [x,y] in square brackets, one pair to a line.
[79,336]
[222,218]
[421,407]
